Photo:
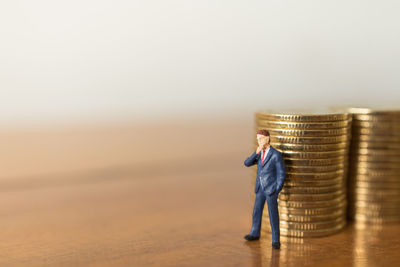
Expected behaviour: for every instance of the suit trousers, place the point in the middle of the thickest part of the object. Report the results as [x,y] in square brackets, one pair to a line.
[272,202]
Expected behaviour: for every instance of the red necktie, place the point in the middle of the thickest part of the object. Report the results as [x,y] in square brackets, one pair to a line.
[263,157]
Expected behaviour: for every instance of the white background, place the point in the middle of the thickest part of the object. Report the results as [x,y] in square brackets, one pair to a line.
[95,59]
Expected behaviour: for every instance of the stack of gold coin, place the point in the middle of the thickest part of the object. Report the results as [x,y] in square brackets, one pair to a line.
[374,176]
[315,149]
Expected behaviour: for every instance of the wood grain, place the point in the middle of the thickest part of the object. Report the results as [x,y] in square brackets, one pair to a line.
[178,208]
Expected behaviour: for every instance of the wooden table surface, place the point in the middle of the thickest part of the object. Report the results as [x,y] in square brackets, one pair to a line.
[161,194]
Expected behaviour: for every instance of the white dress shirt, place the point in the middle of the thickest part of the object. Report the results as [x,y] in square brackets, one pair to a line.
[266,152]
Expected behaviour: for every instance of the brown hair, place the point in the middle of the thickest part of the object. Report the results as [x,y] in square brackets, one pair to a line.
[264,132]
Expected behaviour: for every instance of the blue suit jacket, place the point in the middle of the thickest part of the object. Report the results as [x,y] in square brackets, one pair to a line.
[271,173]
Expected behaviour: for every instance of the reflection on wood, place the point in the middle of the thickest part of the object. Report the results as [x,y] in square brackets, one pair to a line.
[181,210]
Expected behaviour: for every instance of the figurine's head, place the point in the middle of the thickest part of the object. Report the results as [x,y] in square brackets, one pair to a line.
[263,137]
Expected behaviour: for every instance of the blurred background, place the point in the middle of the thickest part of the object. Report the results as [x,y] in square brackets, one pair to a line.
[110,86]
[99,62]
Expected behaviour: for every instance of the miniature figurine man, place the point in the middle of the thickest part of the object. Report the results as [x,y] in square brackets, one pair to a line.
[269,182]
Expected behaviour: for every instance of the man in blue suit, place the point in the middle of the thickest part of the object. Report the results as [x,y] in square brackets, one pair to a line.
[269,182]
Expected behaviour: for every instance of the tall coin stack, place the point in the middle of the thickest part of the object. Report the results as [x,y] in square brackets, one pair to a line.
[315,150]
[374,177]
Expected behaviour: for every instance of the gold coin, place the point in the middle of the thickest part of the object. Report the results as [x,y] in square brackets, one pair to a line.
[376,191]
[317,147]
[369,114]
[374,132]
[314,169]
[376,179]
[376,205]
[373,198]
[371,145]
[379,143]
[377,152]
[339,201]
[375,213]
[380,124]
[375,138]
[375,173]
[374,208]
[307,147]
[371,124]
[312,233]
[311,190]
[377,120]
[291,209]
[365,219]
[384,204]
[325,178]
[375,165]
[308,176]
[309,181]
[313,182]
[313,218]
[373,185]
[372,111]
[302,125]
[313,155]
[379,129]
[311,140]
[315,212]
[311,226]
[307,133]
[315,162]
[317,176]
[311,197]
[372,171]
[303,117]
[374,158]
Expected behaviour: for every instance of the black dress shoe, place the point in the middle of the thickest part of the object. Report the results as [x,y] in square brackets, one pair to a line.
[251,238]
[276,245]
